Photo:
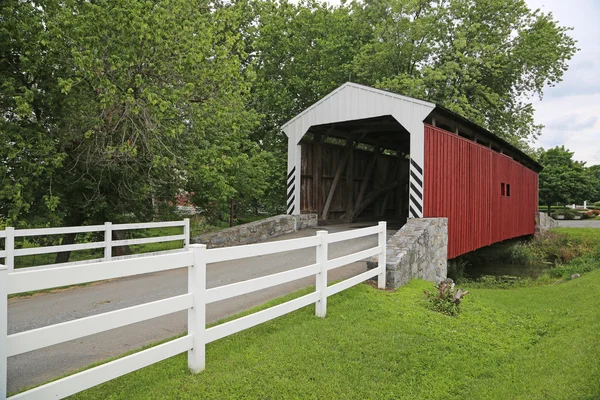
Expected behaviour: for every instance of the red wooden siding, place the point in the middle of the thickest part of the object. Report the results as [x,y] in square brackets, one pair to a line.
[463,183]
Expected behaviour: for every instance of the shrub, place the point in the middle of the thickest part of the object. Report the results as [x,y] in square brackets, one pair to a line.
[456,269]
[579,265]
[519,253]
[568,214]
[446,299]
[554,247]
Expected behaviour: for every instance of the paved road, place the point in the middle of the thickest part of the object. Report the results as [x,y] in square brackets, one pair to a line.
[579,224]
[39,366]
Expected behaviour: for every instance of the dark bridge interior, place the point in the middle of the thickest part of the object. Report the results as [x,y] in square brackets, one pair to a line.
[356,171]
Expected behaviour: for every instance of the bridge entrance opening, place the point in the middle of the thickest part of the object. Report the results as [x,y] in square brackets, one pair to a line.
[356,171]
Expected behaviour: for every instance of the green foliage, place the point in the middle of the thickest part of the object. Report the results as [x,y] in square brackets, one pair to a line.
[578,265]
[557,254]
[563,180]
[456,269]
[122,111]
[111,108]
[445,299]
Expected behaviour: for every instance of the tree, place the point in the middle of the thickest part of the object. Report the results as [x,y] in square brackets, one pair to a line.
[594,171]
[483,59]
[119,111]
[563,180]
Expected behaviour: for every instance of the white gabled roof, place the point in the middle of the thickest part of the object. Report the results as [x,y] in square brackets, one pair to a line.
[352,101]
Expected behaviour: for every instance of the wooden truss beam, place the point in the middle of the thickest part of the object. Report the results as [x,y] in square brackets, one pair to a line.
[336,179]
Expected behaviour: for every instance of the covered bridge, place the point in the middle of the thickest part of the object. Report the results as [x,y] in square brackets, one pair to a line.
[364,154]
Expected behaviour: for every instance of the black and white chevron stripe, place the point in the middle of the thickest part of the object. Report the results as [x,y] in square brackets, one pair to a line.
[291,189]
[415,191]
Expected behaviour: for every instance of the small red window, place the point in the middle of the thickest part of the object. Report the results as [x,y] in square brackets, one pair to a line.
[508,190]
[502,189]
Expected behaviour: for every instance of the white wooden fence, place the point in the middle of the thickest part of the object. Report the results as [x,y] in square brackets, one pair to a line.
[10,252]
[194,342]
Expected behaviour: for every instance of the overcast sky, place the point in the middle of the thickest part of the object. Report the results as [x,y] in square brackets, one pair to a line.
[570,111]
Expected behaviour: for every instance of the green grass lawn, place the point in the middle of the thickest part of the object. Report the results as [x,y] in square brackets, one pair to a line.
[590,236]
[526,343]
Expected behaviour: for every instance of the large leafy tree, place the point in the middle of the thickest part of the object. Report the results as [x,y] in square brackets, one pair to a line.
[300,51]
[484,59]
[563,180]
[594,172]
[110,107]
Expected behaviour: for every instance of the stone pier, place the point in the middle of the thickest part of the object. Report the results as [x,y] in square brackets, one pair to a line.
[418,250]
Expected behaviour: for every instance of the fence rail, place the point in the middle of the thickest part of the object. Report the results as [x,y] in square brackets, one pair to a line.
[195,301]
[10,251]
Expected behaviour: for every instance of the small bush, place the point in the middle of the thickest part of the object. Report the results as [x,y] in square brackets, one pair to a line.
[456,269]
[579,265]
[446,299]
[567,214]
[519,253]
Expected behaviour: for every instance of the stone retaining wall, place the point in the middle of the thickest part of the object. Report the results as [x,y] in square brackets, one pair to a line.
[544,222]
[258,231]
[418,250]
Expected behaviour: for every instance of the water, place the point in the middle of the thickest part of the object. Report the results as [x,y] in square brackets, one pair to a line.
[504,269]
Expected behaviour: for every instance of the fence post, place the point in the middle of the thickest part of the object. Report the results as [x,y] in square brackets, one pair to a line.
[186,232]
[197,314]
[107,241]
[3,329]
[9,246]
[381,260]
[322,257]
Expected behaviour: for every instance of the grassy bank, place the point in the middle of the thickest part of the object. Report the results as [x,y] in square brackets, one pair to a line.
[556,255]
[525,343]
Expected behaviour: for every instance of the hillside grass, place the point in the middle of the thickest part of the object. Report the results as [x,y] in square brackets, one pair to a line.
[524,343]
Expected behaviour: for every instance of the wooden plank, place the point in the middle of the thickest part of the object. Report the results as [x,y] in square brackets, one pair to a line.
[147,225]
[365,182]
[259,249]
[58,231]
[354,257]
[59,333]
[128,242]
[336,179]
[355,280]
[240,324]
[317,171]
[349,189]
[27,281]
[372,197]
[352,234]
[55,249]
[237,289]
[89,378]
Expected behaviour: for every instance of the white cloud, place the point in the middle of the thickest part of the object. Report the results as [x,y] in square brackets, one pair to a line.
[572,121]
[571,110]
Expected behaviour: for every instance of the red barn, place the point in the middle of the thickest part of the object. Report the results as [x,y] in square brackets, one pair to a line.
[364,154]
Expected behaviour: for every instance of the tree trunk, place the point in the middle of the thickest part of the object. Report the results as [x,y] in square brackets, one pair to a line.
[63,256]
[231,212]
[120,250]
